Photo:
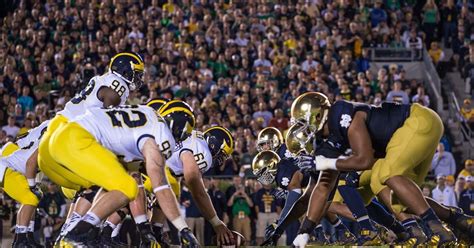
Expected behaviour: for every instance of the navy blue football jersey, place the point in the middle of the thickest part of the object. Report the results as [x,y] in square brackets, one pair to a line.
[286,170]
[381,122]
[284,153]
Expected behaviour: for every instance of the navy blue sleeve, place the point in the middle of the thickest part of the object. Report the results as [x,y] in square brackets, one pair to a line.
[286,170]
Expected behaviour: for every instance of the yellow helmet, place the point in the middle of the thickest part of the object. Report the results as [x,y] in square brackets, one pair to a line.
[265,165]
[311,108]
[299,139]
[269,136]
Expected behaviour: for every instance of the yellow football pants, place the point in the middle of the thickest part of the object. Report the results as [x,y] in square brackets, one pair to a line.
[15,183]
[79,152]
[54,171]
[364,188]
[173,181]
[411,148]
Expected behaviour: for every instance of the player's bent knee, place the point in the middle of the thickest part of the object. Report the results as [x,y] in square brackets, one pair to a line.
[128,186]
[28,198]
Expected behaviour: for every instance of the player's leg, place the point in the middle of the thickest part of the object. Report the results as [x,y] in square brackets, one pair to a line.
[138,211]
[317,206]
[78,151]
[16,186]
[409,155]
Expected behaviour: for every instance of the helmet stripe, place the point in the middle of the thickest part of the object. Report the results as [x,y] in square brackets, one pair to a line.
[140,66]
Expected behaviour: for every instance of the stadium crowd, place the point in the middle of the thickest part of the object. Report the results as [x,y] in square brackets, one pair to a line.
[239,64]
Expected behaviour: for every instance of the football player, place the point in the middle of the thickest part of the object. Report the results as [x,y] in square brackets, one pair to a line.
[125,74]
[196,155]
[396,141]
[18,167]
[269,168]
[88,147]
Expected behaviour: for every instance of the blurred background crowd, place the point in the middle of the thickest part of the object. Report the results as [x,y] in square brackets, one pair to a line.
[239,64]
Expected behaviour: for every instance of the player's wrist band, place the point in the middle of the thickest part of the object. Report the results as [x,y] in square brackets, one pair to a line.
[215,221]
[179,223]
[31,182]
[323,163]
[162,187]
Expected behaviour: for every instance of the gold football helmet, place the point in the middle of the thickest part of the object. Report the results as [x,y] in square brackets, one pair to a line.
[300,139]
[269,136]
[264,166]
[311,108]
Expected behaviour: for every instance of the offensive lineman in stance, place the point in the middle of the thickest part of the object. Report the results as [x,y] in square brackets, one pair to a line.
[111,89]
[88,147]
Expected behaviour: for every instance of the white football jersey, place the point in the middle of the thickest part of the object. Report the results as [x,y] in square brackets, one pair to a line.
[28,144]
[88,98]
[124,129]
[198,146]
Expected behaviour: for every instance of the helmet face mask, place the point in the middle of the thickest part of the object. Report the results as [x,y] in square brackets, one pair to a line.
[312,109]
[300,139]
[264,166]
[220,143]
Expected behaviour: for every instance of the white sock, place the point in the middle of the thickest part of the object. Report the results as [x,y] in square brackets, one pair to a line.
[21,229]
[158,224]
[140,219]
[31,226]
[71,223]
[91,218]
[116,230]
[108,223]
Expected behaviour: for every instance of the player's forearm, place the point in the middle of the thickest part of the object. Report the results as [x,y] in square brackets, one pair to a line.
[291,199]
[200,196]
[297,210]
[31,168]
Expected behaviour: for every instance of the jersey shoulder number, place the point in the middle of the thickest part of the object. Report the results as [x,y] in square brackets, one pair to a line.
[118,87]
[81,96]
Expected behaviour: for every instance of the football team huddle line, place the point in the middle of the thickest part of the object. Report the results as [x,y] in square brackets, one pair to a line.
[90,149]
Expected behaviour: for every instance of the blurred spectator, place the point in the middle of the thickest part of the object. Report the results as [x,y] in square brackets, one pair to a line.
[397,94]
[426,190]
[219,202]
[263,113]
[430,19]
[448,18]
[421,97]
[443,162]
[466,201]
[414,41]
[468,113]
[193,216]
[460,187]
[444,194]
[53,207]
[436,53]
[240,204]
[11,129]
[267,209]
[377,14]
[468,169]
[279,120]
[25,100]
